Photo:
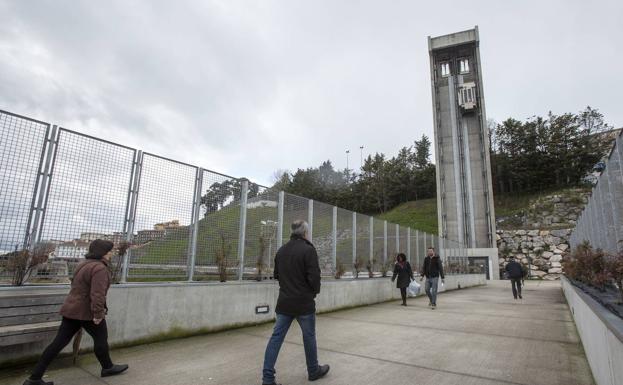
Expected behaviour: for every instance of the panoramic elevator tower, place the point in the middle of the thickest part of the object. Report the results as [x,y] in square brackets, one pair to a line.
[464,189]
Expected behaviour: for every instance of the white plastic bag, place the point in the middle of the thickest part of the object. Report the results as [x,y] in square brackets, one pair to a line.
[414,288]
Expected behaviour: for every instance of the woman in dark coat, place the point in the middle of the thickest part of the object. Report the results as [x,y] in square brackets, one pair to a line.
[402,270]
[84,307]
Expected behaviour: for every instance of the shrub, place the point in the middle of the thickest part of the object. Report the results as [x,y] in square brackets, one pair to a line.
[357,266]
[339,271]
[21,263]
[370,268]
[614,269]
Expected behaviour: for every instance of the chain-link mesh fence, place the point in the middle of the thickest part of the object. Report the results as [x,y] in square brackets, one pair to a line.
[65,189]
[261,231]
[601,222]
[362,248]
[218,227]
[323,236]
[22,142]
[87,198]
[164,207]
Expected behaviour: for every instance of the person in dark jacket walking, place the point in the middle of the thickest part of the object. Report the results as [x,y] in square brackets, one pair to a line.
[402,270]
[514,272]
[84,307]
[432,270]
[298,273]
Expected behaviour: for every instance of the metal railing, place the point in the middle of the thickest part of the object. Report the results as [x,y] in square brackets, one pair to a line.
[184,222]
[601,222]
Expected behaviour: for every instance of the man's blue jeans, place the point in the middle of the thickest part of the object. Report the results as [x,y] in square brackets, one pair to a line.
[431,289]
[308,327]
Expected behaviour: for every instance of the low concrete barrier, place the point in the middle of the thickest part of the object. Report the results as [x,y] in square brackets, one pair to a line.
[601,332]
[148,312]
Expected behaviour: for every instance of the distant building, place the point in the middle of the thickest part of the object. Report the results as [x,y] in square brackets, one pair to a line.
[257,202]
[144,236]
[75,249]
[89,237]
[167,225]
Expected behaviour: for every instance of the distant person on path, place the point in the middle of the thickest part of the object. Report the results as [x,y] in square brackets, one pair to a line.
[514,272]
[432,270]
[402,270]
[298,273]
[84,307]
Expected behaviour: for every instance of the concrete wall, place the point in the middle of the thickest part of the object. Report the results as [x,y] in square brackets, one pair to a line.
[601,333]
[143,312]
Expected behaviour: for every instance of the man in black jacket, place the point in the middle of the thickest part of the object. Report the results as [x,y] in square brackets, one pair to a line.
[298,273]
[432,270]
[515,274]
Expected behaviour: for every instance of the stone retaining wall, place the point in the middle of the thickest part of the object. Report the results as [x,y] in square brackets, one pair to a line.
[540,251]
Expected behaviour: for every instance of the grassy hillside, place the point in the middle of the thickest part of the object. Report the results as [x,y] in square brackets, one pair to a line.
[420,215]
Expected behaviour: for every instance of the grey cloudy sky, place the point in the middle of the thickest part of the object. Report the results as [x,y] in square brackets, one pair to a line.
[248,87]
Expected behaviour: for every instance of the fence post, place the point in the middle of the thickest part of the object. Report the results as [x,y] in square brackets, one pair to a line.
[384,242]
[310,219]
[334,236]
[46,174]
[398,239]
[137,171]
[417,247]
[371,240]
[192,256]
[243,226]
[354,237]
[280,219]
[409,244]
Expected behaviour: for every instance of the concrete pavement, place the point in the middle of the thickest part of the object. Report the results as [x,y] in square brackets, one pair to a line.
[477,336]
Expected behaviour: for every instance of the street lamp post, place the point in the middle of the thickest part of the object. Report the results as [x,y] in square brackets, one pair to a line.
[347,152]
[361,157]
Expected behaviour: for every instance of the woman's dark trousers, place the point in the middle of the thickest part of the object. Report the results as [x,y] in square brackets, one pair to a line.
[403,294]
[69,327]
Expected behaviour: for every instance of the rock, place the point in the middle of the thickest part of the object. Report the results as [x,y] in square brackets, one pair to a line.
[547,254]
[551,277]
[532,267]
[521,232]
[533,233]
[538,273]
[539,262]
[563,247]
[524,261]
[556,264]
[544,233]
[556,258]
[560,233]
[557,251]
[556,199]
[555,270]
[552,240]
[497,237]
[537,249]
[540,244]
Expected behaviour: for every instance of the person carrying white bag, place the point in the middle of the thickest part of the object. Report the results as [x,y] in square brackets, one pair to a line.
[402,270]
[414,288]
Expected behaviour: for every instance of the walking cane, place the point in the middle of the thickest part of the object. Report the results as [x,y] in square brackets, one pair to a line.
[76,345]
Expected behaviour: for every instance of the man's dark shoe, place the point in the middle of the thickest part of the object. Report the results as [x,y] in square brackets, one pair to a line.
[322,371]
[274,383]
[520,296]
[114,370]
[37,382]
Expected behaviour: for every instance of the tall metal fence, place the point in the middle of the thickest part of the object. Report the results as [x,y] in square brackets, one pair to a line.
[601,222]
[63,189]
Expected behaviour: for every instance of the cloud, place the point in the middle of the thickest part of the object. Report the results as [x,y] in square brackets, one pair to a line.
[246,88]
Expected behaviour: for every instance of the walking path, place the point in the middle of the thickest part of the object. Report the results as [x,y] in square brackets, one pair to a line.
[477,336]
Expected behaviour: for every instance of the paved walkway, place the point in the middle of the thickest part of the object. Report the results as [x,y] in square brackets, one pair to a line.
[477,336]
